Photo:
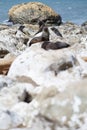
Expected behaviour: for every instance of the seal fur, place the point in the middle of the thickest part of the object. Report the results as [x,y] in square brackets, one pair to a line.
[44,37]
[54,46]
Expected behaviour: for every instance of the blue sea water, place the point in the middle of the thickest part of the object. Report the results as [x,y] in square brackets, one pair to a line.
[70,10]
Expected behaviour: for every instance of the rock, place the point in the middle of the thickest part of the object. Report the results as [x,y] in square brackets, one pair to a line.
[84,27]
[65,109]
[35,63]
[62,64]
[30,29]
[84,58]
[3,52]
[25,79]
[59,110]
[71,32]
[5,81]
[44,89]
[11,42]
[2,27]
[84,24]
[32,12]
[6,62]
[14,92]
[9,119]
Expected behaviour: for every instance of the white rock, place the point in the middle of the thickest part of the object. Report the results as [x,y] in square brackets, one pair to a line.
[9,119]
[34,63]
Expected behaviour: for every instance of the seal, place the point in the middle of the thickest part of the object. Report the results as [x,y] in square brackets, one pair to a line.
[56,31]
[54,46]
[21,28]
[44,37]
[41,26]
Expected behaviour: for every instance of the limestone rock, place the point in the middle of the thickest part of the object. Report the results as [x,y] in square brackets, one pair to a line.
[62,64]
[6,62]
[32,12]
[9,119]
[67,108]
[35,63]
[84,24]
[10,42]
[3,52]
[2,27]
[5,81]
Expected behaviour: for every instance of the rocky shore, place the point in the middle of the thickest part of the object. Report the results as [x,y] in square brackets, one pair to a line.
[43,86]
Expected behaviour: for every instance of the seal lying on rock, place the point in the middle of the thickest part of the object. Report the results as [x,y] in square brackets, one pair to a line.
[54,46]
[56,31]
[43,37]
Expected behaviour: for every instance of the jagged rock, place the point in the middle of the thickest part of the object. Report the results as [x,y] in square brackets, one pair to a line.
[2,27]
[32,95]
[84,58]
[71,32]
[25,79]
[32,12]
[62,64]
[6,62]
[13,92]
[3,52]
[14,95]
[59,110]
[5,81]
[9,119]
[11,42]
[30,29]
[84,24]
[67,108]
[35,63]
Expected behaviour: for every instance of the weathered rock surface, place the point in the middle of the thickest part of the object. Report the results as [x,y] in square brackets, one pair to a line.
[10,42]
[32,12]
[6,62]
[2,27]
[49,66]
[44,89]
[48,109]
[65,109]
[9,119]
[12,93]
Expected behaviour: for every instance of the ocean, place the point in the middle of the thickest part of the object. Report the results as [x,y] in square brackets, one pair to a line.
[70,10]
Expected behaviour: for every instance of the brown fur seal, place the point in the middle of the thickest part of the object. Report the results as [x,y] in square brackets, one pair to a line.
[56,31]
[43,37]
[21,28]
[41,26]
[54,46]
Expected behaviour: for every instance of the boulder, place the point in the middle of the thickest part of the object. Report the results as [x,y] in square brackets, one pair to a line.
[3,52]
[62,64]
[11,41]
[2,27]
[65,109]
[32,12]
[41,65]
[84,24]
[9,119]
[6,62]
